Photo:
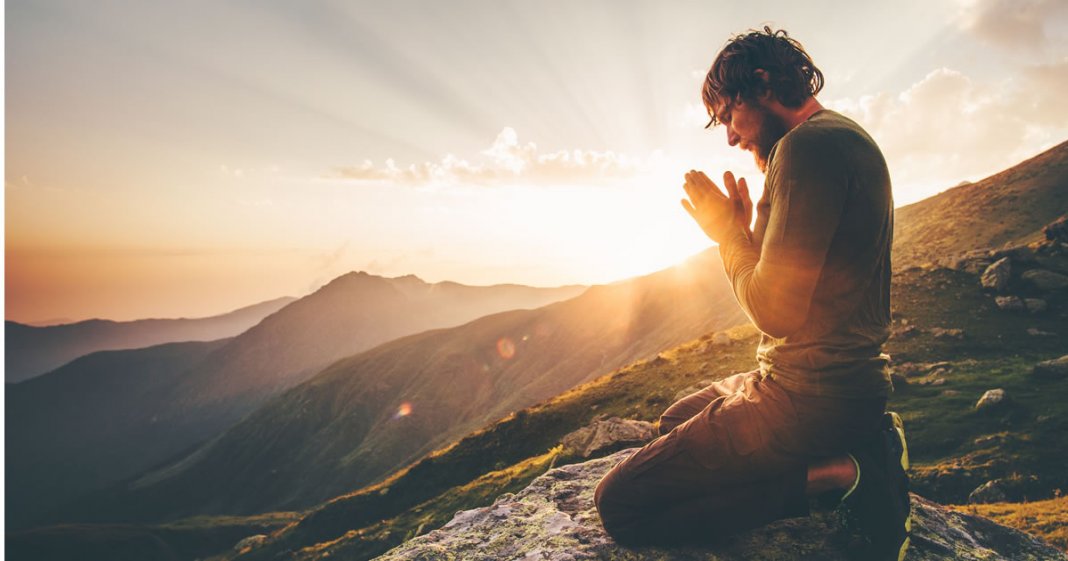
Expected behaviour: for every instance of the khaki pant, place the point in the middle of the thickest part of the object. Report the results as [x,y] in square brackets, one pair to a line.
[731,457]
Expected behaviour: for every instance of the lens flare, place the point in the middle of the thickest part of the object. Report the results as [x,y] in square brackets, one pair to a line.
[403,410]
[505,348]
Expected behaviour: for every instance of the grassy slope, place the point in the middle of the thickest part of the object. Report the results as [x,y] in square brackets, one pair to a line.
[1009,207]
[942,426]
[1044,518]
[192,538]
[340,431]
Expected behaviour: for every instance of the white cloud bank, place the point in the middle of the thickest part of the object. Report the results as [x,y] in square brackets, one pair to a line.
[508,161]
[1027,25]
[947,127]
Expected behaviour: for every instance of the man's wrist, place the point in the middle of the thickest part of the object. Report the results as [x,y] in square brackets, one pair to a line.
[732,234]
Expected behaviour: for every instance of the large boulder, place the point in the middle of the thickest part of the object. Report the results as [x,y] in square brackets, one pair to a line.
[1010,303]
[1057,231]
[996,277]
[1045,280]
[1018,253]
[607,434]
[989,492]
[554,519]
[992,399]
[1053,369]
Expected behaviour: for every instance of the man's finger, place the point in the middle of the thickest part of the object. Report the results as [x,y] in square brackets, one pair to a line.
[703,184]
[700,175]
[689,208]
[731,185]
[692,191]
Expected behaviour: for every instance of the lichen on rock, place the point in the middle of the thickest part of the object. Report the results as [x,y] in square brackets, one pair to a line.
[554,519]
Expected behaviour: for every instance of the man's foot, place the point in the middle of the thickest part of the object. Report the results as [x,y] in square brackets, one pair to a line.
[878,505]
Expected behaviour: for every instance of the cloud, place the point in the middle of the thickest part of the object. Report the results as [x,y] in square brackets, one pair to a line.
[507,161]
[947,127]
[1013,24]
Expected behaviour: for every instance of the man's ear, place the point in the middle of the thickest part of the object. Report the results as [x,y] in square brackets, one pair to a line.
[762,75]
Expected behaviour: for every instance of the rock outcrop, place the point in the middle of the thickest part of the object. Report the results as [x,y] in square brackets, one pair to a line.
[611,434]
[991,399]
[554,519]
[996,277]
[1055,369]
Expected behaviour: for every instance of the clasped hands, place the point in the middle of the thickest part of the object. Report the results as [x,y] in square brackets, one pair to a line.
[715,212]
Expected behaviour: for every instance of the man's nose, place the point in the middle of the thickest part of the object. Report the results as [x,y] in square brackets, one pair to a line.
[732,137]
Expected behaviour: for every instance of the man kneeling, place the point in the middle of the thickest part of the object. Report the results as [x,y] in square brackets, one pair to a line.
[813,275]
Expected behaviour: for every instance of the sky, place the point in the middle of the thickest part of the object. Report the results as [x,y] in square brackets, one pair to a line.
[182,159]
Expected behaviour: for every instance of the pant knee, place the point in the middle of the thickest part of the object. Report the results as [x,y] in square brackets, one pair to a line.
[609,497]
[666,424]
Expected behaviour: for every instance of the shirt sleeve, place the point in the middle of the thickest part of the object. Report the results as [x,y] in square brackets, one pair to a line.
[775,282]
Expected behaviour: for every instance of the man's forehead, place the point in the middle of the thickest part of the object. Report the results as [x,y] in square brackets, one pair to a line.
[719,107]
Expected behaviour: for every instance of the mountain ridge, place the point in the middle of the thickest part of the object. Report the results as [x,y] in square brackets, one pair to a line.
[32,350]
[368,414]
[221,385]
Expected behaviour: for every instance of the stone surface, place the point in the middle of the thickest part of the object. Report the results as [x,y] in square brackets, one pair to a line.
[975,261]
[1057,231]
[996,277]
[554,519]
[1010,303]
[721,338]
[946,333]
[991,399]
[693,389]
[1055,369]
[989,492]
[250,542]
[604,434]
[716,340]
[939,372]
[1017,253]
[1045,280]
[1036,332]
[903,331]
[1035,305]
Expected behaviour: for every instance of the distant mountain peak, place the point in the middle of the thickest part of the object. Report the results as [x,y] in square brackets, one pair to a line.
[408,280]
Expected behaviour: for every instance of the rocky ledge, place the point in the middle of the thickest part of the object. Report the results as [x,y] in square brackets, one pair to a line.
[554,519]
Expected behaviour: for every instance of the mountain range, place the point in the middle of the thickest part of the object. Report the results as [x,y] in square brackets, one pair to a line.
[431,404]
[370,414]
[109,415]
[33,350]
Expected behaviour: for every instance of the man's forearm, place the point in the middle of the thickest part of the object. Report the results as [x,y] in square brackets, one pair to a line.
[775,299]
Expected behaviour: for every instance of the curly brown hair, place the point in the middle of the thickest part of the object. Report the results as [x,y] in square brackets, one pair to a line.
[791,75]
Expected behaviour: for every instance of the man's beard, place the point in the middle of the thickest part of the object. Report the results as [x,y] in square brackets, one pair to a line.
[772,128]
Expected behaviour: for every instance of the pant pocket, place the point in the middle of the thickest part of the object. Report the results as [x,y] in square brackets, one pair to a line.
[747,428]
[651,455]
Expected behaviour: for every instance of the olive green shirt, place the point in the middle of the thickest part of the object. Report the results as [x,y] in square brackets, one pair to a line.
[815,275]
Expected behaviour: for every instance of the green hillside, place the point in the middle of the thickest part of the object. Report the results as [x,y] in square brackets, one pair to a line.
[194,538]
[110,416]
[952,343]
[368,415]
[1010,207]
[90,423]
[944,429]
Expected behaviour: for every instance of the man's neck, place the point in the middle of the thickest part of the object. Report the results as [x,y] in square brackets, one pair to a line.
[793,116]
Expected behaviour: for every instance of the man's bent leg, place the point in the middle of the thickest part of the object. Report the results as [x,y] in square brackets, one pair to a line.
[718,473]
[690,405]
[659,509]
